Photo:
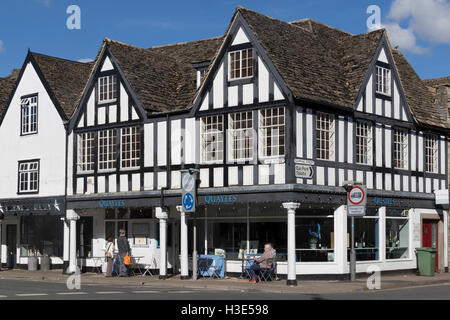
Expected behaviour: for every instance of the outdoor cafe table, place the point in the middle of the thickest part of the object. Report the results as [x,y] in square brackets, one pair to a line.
[211,265]
[98,262]
[247,262]
[135,264]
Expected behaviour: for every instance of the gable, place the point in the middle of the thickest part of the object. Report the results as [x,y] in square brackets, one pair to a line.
[383,100]
[123,108]
[220,91]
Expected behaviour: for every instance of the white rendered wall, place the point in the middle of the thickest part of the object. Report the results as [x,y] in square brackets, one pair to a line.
[48,144]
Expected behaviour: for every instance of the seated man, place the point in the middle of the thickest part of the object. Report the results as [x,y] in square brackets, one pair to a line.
[263,262]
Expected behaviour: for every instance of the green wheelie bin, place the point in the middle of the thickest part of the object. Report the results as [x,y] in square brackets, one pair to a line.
[426,260]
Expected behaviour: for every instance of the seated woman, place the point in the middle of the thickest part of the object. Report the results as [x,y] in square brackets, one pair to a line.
[263,262]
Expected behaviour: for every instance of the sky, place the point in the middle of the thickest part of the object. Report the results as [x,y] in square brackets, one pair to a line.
[421,28]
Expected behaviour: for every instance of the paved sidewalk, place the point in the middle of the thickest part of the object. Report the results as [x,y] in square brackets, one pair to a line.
[388,281]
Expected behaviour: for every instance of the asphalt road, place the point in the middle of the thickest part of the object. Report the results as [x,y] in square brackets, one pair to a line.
[39,290]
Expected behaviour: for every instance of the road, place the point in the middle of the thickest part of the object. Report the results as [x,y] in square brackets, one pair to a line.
[40,290]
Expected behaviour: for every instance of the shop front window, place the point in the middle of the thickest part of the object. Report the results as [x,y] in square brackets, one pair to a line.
[41,235]
[397,234]
[366,236]
[315,236]
[241,230]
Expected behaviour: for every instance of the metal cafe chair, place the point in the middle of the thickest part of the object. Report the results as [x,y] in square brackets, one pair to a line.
[269,274]
[217,267]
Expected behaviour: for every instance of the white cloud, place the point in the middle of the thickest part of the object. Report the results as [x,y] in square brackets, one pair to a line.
[2,46]
[425,19]
[84,60]
[404,38]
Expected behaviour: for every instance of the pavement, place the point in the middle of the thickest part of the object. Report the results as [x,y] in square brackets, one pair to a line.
[389,281]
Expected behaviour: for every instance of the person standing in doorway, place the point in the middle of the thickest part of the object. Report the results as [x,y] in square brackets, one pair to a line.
[109,255]
[124,249]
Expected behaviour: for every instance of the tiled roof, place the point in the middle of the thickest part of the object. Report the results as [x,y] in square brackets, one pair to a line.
[444,81]
[418,97]
[163,78]
[6,86]
[66,79]
[327,65]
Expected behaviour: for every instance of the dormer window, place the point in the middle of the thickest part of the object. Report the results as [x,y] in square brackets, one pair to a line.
[383,83]
[107,89]
[241,64]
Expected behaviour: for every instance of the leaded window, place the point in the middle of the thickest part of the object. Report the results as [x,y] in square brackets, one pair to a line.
[28,176]
[325,127]
[272,132]
[107,88]
[363,143]
[241,64]
[212,138]
[107,151]
[131,147]
[383,84]
[86,152]
[241,135]
[401,149]
[29,115]
[431,153]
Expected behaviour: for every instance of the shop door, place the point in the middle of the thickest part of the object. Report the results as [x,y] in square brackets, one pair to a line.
[430,238]
[85,234]
[11,245]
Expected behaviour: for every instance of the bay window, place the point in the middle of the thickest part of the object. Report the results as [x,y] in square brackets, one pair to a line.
[272,132]
[212,130]
[401,149]
[431,153]
[363,143]
[240,136]
[107,152]
[325,127]
[130,147]
[85,161]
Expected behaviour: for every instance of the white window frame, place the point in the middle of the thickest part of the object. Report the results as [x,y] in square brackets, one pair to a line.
[401,149]
[85,161]
[240,136]
[109,83]
[272,122]
[431,153]
[325,139]
[240,68]
[28,177]
[133,153]
[29,115]
[364,143]
[107,151]
[383,80]
[212,139]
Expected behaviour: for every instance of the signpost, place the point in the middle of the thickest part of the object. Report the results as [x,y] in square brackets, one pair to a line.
[189,202]
[356,207]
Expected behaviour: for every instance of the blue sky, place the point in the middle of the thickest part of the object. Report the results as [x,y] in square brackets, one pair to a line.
[41,25]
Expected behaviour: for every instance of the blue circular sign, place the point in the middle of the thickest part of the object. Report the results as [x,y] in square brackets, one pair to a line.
[188,201]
